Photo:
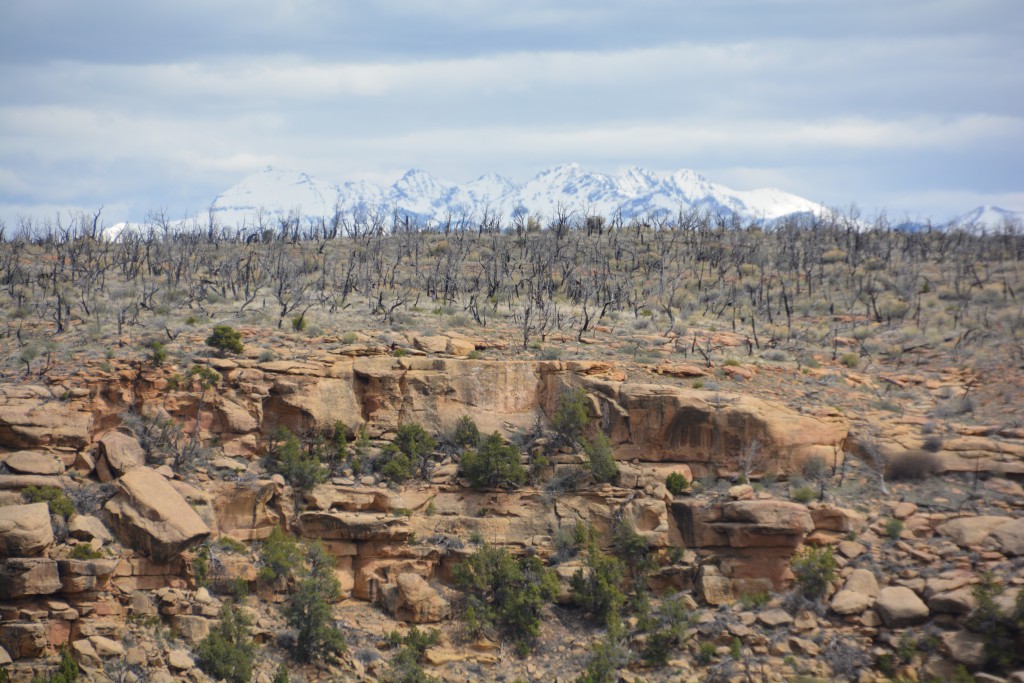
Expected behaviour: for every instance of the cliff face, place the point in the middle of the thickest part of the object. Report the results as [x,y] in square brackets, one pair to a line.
[391,545]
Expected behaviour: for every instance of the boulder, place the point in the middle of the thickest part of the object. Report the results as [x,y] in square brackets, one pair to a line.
[971,531]
[23,639]
[25,530]
[33,462]
[31,418]
[858,593]
[23,576]
[78,576]
[119,453]
[414,600]
[898,606]
[965,647]
[180,660]
[834,518]
[1009,538]
[957,601]
[87,528]
[148,514]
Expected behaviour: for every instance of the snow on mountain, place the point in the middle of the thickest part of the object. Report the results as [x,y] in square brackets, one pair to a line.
[568,188]
[991,217]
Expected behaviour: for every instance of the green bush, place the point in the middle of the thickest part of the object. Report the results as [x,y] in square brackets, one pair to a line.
[676,483]
[803,494]
[466,433]
[279,556]
[67,670]
[571,415]
[225,339]
[414,441]
[596,587]
[1003,633]
[55,499]
[395,465]
[505,594]
[309,610]
[602,460]
[157,353]
[671,624]
[405,666]
[850,360]
[301,469]
[815,570]
[495,463]
[84,551]
[227,652]
[893,528]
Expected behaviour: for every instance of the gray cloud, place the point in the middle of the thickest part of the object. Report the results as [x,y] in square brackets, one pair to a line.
[913,105]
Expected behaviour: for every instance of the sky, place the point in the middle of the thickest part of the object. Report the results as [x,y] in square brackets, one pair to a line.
[914,108]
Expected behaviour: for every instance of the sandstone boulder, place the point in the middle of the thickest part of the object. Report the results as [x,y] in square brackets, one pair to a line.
[965,647]
[33,462]
[858,593]
[414,600]
[119,453]
[898,606]
[1009,538]
[834,518]
[23,639]
[22,576]
[971,531]
[31,418]
[25,530]
[88,528]
[148,514]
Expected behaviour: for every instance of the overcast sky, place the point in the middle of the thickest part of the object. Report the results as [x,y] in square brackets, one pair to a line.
[914,106]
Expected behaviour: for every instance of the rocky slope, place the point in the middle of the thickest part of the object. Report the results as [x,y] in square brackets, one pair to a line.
[150,519]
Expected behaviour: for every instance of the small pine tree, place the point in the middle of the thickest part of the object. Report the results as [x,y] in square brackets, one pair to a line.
[309,610]
[227,652]
[602,460]
[571,416]
[225,339]
[495,463]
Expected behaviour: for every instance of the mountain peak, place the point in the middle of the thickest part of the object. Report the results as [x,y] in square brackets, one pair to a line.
[633,192]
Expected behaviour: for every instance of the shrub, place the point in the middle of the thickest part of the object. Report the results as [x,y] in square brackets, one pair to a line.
[301,469]
[814,468]
[495,463]
[755,600]
[595,587]
[227,652]
[672,623]
[157,353]
[571,416]
[279,555]
[803,494]
[705,653]
[1003,633]
[225,339]
[405,666]
[815,570]
[850,360]
[67,670]
[395,465]
[913,466]
[466,432]
[309,611]
[505,593]
[84,551]
[676,483]
[602,460]
[606,657]
[55,499]
[416,444]
[893,528]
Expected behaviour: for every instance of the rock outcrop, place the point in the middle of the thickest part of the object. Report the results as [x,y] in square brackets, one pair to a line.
[148,514]
[25,530]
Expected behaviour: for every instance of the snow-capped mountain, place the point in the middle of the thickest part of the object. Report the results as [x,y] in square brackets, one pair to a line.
[989,217]
[274,193]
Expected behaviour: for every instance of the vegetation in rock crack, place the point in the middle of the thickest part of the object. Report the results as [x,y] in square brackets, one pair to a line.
[494,463]
[571,416]
[227,652]
[504,594]
[300,467]
[55,499]
[601,458]
[676,483]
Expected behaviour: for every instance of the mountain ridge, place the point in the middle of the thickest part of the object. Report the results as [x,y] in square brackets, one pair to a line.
[276,193]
